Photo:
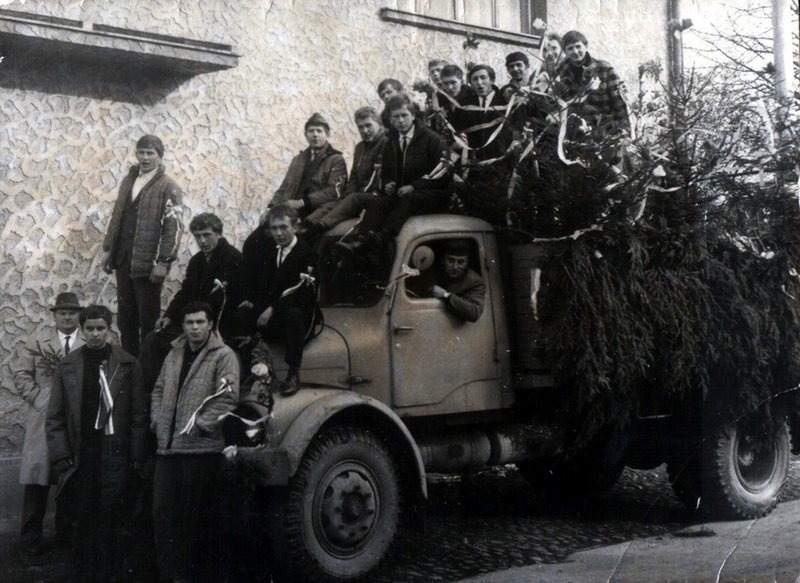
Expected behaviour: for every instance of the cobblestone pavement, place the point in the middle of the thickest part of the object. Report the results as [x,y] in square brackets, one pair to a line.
[480,524]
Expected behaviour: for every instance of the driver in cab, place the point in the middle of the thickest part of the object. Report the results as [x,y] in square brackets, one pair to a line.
[461,289]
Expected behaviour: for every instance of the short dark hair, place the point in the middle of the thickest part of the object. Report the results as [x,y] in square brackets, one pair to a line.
[457,247]
[151,141]
[434,62]
[399,102]
[282,211]
[393,82]
[572,37]
[194,307]
[95,312]
[206,221]
[515,57]
[475,68]
[452,71]
[367,112]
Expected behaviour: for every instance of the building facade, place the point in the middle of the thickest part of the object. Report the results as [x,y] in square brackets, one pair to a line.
[228,87]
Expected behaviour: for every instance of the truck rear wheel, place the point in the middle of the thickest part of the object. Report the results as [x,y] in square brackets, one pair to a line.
[340,514]
[745,466]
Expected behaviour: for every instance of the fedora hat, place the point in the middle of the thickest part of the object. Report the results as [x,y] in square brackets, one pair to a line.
[66,301]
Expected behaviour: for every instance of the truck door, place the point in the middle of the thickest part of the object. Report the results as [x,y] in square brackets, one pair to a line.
[438,358]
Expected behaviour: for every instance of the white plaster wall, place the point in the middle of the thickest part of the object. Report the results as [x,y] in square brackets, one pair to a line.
[66,142]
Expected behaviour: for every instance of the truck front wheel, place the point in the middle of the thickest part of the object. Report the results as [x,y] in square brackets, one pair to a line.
[745,467]
[340,514]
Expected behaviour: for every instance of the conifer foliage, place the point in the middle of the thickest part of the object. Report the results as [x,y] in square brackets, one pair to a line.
[677,278]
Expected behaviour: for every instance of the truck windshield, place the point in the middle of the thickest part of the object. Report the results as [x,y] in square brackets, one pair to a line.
[351,281]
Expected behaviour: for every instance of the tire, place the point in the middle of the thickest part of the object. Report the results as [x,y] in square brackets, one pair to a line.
[745,466]
[339,516]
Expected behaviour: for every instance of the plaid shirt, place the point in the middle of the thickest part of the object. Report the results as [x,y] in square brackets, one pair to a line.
[604,106]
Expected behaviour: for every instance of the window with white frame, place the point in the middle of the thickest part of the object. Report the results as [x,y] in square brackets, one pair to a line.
[507,15]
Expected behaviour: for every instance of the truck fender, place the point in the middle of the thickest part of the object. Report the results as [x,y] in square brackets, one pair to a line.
[309,422]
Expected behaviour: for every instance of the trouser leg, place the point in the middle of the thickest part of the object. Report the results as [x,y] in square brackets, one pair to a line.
[34,508]
[128,315]
[414,203]
[63,522]
[322,210]
[289,326]
[153,352]
[378,208]
[296,327]
[185,501]
[148,304]
[167,515]
[349,208]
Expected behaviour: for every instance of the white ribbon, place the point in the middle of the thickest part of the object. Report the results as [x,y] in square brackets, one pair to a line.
[108,401]
[224,387]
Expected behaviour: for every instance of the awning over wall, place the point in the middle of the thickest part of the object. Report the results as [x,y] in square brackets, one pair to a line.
[22,33]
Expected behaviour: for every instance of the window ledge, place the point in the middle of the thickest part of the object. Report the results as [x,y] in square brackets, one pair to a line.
[452,26]
[23,33]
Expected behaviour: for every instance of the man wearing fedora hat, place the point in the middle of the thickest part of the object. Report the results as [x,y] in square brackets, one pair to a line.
[33,369]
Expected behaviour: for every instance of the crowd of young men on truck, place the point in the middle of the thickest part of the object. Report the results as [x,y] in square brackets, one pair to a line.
[89,425]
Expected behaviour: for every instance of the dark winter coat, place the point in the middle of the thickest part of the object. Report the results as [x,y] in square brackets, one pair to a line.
[327,170]
[129,441]
[604,107]
[423,154]
[472,121]
[157,229]
[265,281]
[226,265]
[365,157]
[172,406]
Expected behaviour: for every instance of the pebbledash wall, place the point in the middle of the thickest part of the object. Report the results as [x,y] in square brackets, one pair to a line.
[68,123]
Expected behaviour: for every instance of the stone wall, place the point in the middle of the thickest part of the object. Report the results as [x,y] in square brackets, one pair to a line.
[67,131]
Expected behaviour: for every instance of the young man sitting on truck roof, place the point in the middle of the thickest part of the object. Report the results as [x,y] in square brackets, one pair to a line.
[461,289]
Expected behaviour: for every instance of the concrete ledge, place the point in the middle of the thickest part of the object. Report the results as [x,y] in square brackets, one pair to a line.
[26,33]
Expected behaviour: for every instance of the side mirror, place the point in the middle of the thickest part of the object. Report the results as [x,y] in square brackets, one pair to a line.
[422,258]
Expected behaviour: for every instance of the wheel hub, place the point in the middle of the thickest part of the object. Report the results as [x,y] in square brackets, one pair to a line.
[755,460]
[348,508]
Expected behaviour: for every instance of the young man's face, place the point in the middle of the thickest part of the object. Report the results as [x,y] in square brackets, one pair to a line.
[197,328]
[206,239]
[387,93]
[518,70]
[66,320]
[435,72]
[575,52]
[481,83]
[551,52]
[282,230]
[368,128]
[316,136]
[451,85]
[148,159]
[402,119]
[95,333]
[455,266]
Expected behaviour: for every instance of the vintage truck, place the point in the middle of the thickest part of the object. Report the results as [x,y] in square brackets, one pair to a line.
[396,388]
